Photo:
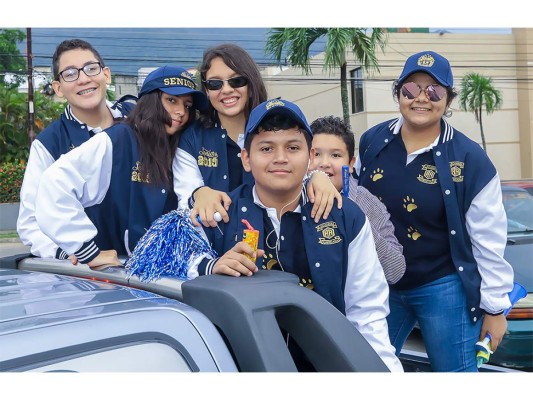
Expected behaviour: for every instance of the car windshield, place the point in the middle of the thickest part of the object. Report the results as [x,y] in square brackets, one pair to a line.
[518,204]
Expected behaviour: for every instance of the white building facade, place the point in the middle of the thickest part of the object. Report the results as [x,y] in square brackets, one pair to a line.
[506,58]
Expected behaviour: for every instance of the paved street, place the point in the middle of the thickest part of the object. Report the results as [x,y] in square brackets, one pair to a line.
[11,248]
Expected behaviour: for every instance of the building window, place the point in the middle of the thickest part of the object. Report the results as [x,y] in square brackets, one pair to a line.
[356,84]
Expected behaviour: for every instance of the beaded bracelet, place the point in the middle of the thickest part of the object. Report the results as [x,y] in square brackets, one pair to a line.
[310,174]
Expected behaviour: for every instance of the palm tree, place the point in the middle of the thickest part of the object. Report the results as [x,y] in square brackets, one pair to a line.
[297,42]
[477,91]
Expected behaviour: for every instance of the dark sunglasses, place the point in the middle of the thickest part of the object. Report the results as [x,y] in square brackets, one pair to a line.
[411,90]
[216,84]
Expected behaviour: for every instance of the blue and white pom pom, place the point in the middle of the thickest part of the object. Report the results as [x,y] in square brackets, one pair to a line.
[167,248]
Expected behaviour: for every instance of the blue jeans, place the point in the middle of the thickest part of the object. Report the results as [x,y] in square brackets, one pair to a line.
[447,330]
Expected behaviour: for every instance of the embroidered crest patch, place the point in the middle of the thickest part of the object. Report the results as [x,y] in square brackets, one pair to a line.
[207,158]
[329,233]
[428,175]
[426,60]
[457,170]
[136,174]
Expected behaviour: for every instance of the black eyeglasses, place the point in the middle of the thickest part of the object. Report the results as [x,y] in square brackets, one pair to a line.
[72,74]
[216,84]
[411,90]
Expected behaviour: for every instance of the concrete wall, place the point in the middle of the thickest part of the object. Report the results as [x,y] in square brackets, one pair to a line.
[125,85]
[524,58]
[8,216]
[504,58]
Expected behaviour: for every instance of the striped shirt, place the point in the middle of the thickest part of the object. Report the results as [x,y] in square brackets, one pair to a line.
[390,251]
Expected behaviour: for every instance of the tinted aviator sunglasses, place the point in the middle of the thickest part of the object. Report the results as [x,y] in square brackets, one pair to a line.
[216,84]
[411,90]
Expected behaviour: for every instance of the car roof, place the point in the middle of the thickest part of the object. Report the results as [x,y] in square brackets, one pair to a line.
[248,312]
[27,295]
[85,314]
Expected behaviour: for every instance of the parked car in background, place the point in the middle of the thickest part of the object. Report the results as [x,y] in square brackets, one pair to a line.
[516,349]
[526,184]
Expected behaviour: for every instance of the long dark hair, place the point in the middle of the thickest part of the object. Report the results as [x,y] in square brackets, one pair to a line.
[241,62]
[156,148]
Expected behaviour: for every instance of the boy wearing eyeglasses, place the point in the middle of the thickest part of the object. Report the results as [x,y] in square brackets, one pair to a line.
[444,196]
[81,78]
[335,257]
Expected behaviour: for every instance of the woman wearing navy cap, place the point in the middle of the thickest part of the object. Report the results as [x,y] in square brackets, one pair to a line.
[208,163]
[444,197]
[98,200]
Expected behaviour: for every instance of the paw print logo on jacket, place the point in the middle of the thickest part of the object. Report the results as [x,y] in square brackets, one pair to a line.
[412,233]
[306,283]
[271,262]
[409,204]
[377,174]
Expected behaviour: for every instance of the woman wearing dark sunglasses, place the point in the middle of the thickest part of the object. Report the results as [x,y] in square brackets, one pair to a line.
[207,164]
[444,197]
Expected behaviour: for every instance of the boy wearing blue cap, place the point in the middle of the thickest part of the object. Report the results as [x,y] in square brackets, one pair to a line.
[104,194]
[444,197]
[335,257]
[81,78]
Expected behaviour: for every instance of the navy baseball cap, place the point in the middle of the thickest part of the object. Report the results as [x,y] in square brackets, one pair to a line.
[176,81]
[431,63]
[272,107]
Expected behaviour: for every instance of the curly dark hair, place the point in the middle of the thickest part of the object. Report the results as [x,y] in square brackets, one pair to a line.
[335,126]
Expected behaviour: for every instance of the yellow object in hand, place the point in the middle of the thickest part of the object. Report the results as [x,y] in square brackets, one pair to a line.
[251,236]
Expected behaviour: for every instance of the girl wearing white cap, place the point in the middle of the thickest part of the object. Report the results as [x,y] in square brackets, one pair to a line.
[444,197]
[98,200]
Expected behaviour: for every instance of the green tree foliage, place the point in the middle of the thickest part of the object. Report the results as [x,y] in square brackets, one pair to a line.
[477,91]
[10,58]
[13,135]
[11,176]
[297,42]
[14,117]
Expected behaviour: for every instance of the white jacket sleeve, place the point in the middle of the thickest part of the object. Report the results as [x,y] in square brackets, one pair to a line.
[29,232]
[76,180]
[366,297]
[187,177]
[486,223]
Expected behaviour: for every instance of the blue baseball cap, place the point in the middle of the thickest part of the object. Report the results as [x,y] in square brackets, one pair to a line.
[176,81]
[272,107]
[431,63]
